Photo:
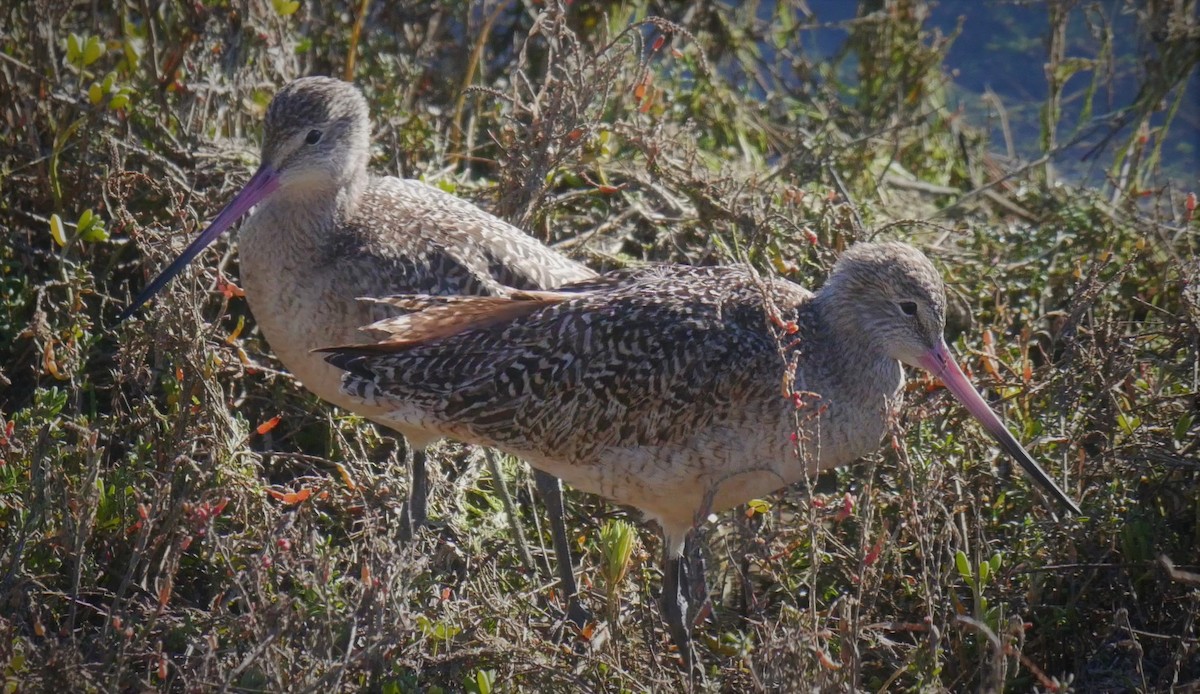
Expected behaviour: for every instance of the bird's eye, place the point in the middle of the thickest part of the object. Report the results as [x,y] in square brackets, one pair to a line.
[908,307]
[314,136]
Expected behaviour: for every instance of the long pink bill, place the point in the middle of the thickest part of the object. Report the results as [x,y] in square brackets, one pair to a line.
[942,364]
[264,182]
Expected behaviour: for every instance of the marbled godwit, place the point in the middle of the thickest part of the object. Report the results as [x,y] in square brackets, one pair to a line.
[326,232]
[671,388]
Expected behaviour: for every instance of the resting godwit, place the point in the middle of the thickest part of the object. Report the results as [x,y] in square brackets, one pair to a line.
[325,233]
[675,390]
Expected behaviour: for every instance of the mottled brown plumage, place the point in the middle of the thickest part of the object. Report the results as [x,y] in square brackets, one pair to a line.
[326,232]
[672,389]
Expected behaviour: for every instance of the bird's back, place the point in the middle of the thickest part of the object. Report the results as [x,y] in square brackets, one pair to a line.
[652,360]
[305,275]
[405,236]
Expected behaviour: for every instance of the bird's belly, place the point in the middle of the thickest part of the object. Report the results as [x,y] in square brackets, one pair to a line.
[715,468]
[671,482]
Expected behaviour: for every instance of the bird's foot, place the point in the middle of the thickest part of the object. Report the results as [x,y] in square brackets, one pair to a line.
[410,523]
[577,614]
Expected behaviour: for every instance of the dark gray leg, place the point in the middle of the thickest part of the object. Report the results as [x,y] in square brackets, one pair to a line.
[510,510]
[694,579]
[675,606]
[685,598]
[419,496]
[414,512]
[550,489]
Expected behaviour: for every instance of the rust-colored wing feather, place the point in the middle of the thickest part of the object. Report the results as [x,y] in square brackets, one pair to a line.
[430,317]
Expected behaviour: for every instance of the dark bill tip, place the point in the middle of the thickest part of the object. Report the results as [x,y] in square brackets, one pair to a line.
[941,363]
[264,182]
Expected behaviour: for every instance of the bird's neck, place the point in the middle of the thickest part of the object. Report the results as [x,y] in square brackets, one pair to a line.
[302,218]
[834,333]
[852,376]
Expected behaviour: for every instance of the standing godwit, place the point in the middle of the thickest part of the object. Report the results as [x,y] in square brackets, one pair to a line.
[325,233]
[672,389]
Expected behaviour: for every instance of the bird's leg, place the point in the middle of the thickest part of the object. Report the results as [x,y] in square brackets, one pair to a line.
[510,510]
[550,489]
[675,605]
[685,587]
[694,580]
[419,496]
[685,597]
[414,512]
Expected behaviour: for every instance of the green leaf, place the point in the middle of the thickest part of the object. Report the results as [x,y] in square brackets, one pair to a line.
[17,664]
[1183,426]
[759,506]
[616,544]
[91,227]
[985,571]
[95,94]
[119,101]
[1128,423]
[285,8]
[92,50]
[485,680]
[133,46]
[56,231]
[1068,67]
[964,566]
[74,49]
[439,631]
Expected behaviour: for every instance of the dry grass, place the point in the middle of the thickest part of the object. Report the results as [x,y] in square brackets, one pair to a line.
[151,532]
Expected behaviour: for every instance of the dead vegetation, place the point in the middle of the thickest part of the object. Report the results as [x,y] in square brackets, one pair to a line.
[177,514]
